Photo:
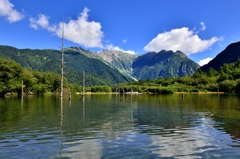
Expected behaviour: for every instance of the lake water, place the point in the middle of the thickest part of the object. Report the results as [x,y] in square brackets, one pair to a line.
[116,126]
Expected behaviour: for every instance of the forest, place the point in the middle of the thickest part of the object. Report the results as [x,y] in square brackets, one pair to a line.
[226,80]
[12,75]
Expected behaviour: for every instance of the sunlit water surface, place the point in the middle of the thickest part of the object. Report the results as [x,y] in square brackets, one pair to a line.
[114,126]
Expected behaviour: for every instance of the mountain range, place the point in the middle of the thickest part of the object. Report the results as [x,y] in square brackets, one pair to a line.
[110,67]
[96,71]
[151,65]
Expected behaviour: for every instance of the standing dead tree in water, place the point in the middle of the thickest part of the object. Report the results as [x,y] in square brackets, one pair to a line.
[61,93]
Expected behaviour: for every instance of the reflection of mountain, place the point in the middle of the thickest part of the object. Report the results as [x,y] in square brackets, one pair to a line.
[114,126]
[162,111]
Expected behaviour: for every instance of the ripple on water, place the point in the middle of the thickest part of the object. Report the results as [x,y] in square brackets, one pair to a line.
[191,142]
[121,135]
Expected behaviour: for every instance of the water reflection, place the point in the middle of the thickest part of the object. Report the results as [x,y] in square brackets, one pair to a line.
[84,149]
[83,108]
[120,126]
[194,141]
[69,103]
[61,124]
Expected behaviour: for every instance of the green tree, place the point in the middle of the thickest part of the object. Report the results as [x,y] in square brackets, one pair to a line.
[28,80]
[212,72]
[199,74]
[227,86]
[9,76]
[236,73]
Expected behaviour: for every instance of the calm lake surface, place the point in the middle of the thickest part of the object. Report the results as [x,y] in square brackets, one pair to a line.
[117,126]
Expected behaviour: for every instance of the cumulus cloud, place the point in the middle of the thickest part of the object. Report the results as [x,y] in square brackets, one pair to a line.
[6,10]
[42,21]
[204,61]
[181,39]
[112,47]
[80,31]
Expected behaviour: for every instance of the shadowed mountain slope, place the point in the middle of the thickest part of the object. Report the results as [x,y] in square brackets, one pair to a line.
[228,55]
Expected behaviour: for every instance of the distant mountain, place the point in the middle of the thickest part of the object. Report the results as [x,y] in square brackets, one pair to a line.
[154,65]
[76,60]
[82,51]
[228,55]
[118,59]
[107,67]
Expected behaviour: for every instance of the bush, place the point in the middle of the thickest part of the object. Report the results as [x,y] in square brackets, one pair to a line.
[227,86]
[39,89]
[213,87]
[201,87]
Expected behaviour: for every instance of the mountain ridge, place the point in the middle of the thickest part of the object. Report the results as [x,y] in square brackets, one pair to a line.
[118,59]
[112,66]
[230,54]
[153,65]
[75,62]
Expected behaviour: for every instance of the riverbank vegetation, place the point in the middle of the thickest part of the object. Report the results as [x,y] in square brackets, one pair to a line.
[12,75]
[227,79]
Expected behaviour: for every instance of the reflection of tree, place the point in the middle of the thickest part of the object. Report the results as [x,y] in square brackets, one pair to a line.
[21,104]
[224,108]
[166,121]
[122,98]
[69,103]
[83,108]
[60,128]
[118,121]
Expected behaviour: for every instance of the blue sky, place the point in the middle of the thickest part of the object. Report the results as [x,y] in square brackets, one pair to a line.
[200,29]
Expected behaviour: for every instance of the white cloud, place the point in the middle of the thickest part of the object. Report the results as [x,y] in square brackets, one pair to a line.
[112,47]
[79,31]
[6,10]
[125,41]
[203,26]
[82,31]
[42,21]
[204,61]
[181,39]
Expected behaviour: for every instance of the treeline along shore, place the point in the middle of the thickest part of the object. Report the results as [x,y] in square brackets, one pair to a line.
[15,79]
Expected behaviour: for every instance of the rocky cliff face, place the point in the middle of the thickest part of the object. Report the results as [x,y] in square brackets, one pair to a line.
[118,59]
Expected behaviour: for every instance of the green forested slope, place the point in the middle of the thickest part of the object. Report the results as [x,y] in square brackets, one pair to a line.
[97,72]
[163,64]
